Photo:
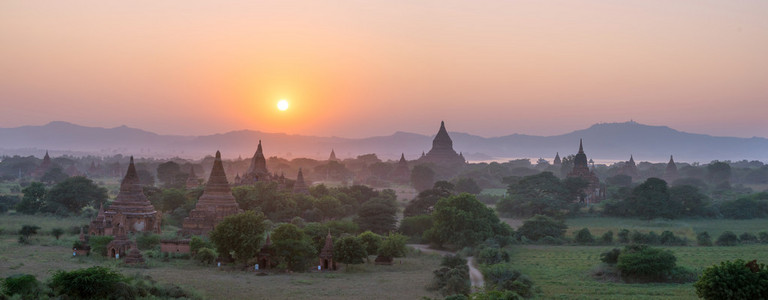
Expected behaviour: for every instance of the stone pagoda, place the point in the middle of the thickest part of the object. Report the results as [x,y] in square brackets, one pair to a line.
[630,168]
[300,187]
[442,153]
[216,203]
[192,180]
[44,166]
[258,169]
[326,255]
[557,162]
[401,173]
[581,170]
[131,209]
[670,174]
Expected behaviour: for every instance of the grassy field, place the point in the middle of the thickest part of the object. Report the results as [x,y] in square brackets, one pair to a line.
[406,279]
[564,272]
[686,227]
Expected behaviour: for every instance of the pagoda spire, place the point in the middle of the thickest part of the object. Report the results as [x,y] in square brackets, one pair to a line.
[581,146]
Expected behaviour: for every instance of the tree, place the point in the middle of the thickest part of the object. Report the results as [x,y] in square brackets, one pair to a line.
[425,201]
[422,177]
[415,226]
[173,199]
[26,231]
[583,236]
[33,200]
[349,250]
[733,280]
[393,246]
[643,263]
[330,207]
[145,177]
[651,199]
[293,247]
[542,226]
[467,185]
[168,174]
[239,235]
[378,215]
[54,175]
[371,242]
[703,239]
[91,283]
[542,193]
[24,285]
[688,200]
[462,221]
[73,194]
[727,238]
[718,172]
[205,256]
[452,278]
[502,277]
[57,232]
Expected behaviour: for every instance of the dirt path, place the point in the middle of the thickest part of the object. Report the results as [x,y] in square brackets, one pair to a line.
[475,276]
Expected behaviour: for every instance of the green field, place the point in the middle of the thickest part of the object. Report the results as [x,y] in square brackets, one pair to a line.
[564,272]
[559,272]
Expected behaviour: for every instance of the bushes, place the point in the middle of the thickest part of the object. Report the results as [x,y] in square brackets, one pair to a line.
[643,263]
[728,238]
[703,239]
[733,280]
[747,238]
[583,236]
[541,226]
[452,278]
[147,241]
[610,257]
[196,243]
[24,285]
[607,237]
[91,283]
[392,246]
[99,244]
[205,256]
[491,256]
[503,278]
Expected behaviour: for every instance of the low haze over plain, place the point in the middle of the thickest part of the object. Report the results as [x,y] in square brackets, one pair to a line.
[364,68]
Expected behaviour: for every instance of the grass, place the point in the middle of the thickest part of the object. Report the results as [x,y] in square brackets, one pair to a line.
[11,223]
[495,192]
[406,279]
[564,272]
[685,227]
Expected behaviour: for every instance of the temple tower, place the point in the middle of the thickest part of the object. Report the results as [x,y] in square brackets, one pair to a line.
[670,174]
[216,203]
[581,170]
[401,173]
[326,255]
[300,187]
[557,162]
[442,152]
[258,169]
[130,209]
[192,180]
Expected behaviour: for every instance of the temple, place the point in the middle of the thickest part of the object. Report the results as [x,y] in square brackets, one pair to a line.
[216,203]
[401,173]
[258,169]
[300,187]
[192,180]
[44,166]
[593,192]
[130,210]
[630,168]
[442,152]
[326,255]
[557,162]
[670,174]
[332,157]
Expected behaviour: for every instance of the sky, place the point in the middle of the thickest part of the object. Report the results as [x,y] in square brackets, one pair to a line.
[368,68]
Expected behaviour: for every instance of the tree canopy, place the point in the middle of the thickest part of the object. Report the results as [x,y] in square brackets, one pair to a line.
[240,235]
[462,221]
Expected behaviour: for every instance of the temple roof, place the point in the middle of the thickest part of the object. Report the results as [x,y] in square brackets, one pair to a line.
[300,186]
[327,251]
[442,140]
[581,158]
[217,191]
[131,198]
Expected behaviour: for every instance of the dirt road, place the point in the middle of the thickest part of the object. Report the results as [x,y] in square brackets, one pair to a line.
[475,276]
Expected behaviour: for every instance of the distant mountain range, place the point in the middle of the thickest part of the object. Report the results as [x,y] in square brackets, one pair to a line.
[606,141]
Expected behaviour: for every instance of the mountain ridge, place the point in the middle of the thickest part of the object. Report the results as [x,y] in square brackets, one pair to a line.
[607,141]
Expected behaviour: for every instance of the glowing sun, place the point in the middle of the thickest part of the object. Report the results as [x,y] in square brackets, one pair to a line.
[282,105]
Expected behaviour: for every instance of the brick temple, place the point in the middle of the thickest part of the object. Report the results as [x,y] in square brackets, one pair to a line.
[216,203]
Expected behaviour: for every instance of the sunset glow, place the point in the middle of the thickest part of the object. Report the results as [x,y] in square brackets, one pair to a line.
[491,67]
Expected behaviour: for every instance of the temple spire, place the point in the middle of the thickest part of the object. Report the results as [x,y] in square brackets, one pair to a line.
[581,146]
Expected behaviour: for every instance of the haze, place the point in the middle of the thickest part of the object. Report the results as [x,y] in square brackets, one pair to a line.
[359,68]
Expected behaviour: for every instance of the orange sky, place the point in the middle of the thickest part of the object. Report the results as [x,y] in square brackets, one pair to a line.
[363,68]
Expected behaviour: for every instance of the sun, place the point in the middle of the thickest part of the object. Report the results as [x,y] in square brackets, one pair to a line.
[282,105]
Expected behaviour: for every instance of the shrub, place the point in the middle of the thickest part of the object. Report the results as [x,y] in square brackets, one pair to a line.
[733,280]
[747,238]
[623,236]
[452,278]
[91,283]
[24,285]
[643,263]
[583,236]
[147,241]
[540,226]
[492,256]
[607,237]
[668,238]
[196,243]
[548,240]
[57,232]
[393,246]
[703,239]
[415,225]
[763,237]
[205,256]
[99,244]
[371,242]
[610,257]
[503,277]
[728,238]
